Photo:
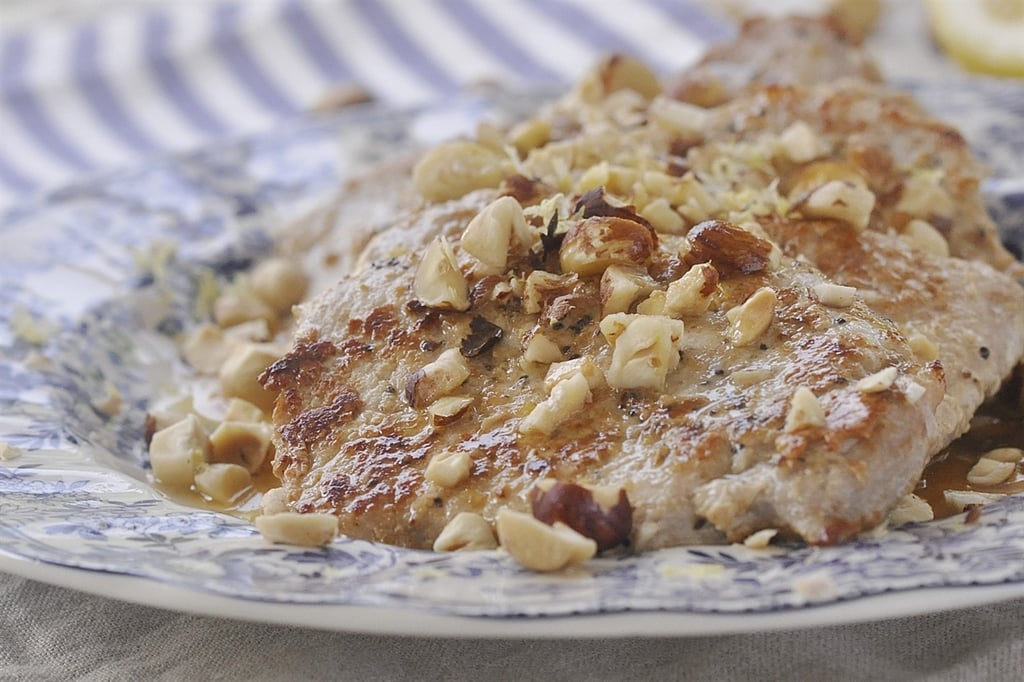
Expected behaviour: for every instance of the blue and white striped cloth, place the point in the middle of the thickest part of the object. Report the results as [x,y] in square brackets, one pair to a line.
[133,81]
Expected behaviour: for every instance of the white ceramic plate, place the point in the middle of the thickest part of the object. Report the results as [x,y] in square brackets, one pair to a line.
[90,283]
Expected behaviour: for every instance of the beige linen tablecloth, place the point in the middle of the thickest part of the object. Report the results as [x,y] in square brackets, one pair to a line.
[49,633]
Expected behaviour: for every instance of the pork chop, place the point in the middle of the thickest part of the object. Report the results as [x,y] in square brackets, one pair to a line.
[775,337]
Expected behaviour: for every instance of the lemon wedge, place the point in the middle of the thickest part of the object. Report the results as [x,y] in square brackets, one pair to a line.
[986,36]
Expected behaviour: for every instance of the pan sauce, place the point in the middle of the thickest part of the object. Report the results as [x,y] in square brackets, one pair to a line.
[998,423]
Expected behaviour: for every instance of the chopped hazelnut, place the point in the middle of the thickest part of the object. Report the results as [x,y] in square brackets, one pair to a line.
[678,118]
[601,513]
[691,293]
[987,472]
[491,232]
[924,197]
[466,532]
[804,411]
[177,452]
[280,283]
[541,547]
[752,319]
[541,349]
[761,539]
[239,375]
[834,295]
[585,365]
[437,378]
[663,217]
[567,397]
[244,443]
[910,509]
[840,200]
[221,482]
[621,285]
[454,169]
[449,408]
[595,243]
[645,349]
[800,143]
[205,349]
[878,382]
[448,468]
[439,282]
[291,528]
[924,237]
[1005,454]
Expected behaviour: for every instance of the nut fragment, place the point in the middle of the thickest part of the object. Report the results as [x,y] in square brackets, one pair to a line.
[274,501]
[437,378]
[834,295]
[804,411]
[541,349]
[448,468]
[529,135]
[752,319]
[602,514]
[205,349]
[567,397]
[439,282]
[170,411]
[9,452]
[961,499]
[924,197]
[663,217]
[464,533]
[585,365]
[595,243]
[910,509]
[621,285]
[1005,454]
[678,118]
[924,348]
[877,382]
[761,539]
[800,143]
[452,170]
[280,283]
[923,236]
[540,547]
[241,304]
[645,349]
[691,293]
[540,286]
[246,444]
[110,401]
[449,408]
[617,72]
[814,175]
[222,482]
[728,247]
[491,232]
[987,471]
[840,200]
[177,452]
[239,375]
[292,528]
[243,411]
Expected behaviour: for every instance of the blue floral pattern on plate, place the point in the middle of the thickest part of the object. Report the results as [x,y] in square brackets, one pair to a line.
[98,277]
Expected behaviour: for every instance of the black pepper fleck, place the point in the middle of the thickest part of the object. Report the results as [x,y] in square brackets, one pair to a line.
[763,346]
[984,352]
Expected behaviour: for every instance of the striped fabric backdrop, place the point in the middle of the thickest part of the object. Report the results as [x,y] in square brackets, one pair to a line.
[75,98]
